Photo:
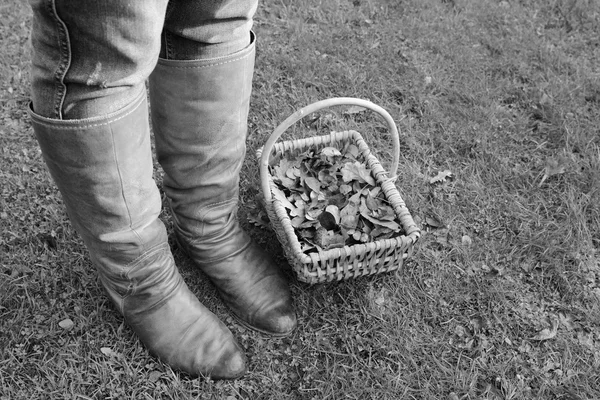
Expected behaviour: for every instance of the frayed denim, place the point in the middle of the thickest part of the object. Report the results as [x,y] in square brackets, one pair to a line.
[92,58]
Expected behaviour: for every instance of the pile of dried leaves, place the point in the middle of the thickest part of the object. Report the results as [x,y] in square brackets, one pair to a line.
[332,199]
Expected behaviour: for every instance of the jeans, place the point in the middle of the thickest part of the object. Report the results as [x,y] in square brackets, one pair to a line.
[92,57]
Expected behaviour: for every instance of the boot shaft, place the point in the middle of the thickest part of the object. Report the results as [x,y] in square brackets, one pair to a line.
[104,171]
[199,115]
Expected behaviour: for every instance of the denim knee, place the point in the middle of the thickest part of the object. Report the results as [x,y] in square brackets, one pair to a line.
[92,59]
[196,30]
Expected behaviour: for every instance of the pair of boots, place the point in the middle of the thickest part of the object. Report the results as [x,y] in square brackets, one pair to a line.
[103,168]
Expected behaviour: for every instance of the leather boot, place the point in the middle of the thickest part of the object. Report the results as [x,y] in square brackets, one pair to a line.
[199,116]
[103,168]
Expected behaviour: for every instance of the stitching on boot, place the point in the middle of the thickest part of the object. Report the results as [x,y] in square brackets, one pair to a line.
[126,269]
[148,252]
[205,210]
[206,65]
[201,215]
[132,287]
[123,275]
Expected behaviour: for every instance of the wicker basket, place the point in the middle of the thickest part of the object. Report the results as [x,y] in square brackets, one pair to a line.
[349,261]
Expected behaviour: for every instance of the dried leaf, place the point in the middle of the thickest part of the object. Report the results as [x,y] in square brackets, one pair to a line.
[332,199]
[352,151]
[66,324]
[345,189]
[452,396]
[279,195]
[380,299]
[441,176]
[466,241]
[154,376]
[364,212]
[334,211]
[434,221]
[355,110]
[329,239]
[327,221]
[554,166]
[260,219]
[313,183]
[330,152]
[372,203]
[357,172]
[107,351]
[548,333]
[349,216]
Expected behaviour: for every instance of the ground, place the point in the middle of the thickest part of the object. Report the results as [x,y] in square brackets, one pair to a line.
[501,299]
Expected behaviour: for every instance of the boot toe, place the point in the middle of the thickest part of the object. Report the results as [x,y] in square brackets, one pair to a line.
[285,324]
[231,366]
[280,321]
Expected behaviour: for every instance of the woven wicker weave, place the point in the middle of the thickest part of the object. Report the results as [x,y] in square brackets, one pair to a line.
[349,261]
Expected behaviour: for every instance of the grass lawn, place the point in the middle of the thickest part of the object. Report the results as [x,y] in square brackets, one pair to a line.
[501,299]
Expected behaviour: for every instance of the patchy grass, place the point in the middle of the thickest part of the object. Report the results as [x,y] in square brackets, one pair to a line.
[504,94]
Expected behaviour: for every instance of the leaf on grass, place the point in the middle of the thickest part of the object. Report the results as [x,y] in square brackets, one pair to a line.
[554,166]
[453,396]
[434,221]
[355,110]
[566,320]
[380,298]
[154,376]
[259,218]
[66,324]
[107,351]
[441,176]
[466,241]
[548,333]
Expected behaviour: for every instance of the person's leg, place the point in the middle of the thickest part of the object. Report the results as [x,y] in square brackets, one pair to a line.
[91,58]
[200,94]
[90,116]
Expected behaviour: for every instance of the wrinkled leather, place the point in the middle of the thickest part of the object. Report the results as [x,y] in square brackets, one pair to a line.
[103,168]
[199,117]
[247,279]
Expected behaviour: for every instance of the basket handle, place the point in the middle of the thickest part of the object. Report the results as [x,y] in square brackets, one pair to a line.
[311,108]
